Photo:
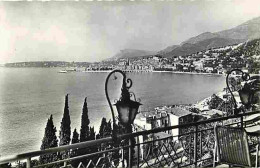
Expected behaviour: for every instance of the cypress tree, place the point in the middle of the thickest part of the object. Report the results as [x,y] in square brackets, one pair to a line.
[65,131]
[84,130]
[74,152]
[93,149]
[92,133]
[102,128]
[86,133]
[105,129]
[75,137]
[49,141]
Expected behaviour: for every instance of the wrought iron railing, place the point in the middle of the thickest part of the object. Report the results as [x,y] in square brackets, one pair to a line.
[194,148]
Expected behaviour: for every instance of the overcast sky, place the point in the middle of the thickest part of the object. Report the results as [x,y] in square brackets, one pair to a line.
[92,31]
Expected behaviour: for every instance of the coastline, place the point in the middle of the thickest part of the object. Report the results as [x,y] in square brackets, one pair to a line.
[175,72]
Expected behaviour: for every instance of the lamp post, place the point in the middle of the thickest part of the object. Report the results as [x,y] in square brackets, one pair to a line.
[126,108]
[246,93]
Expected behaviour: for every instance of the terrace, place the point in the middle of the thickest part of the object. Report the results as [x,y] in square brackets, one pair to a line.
[194,147]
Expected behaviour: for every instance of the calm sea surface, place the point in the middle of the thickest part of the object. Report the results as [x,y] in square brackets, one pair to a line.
[28,96]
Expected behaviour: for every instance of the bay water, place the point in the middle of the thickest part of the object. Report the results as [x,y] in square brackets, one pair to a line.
[28,96]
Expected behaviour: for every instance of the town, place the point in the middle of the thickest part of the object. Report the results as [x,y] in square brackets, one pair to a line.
[214,61]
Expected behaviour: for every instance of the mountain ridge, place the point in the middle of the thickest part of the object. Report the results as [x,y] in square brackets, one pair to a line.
[246,31]
[132,53]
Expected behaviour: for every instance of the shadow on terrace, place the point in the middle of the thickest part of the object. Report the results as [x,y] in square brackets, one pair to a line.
[167,137]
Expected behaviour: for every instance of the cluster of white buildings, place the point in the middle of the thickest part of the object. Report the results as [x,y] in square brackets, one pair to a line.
[162,117]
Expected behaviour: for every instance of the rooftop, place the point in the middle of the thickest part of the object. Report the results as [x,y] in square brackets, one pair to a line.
[177,111]
[162,112]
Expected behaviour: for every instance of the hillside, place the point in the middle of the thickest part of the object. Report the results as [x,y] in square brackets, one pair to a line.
[132,53]
[168,49]
[241,33]
[246,31]
[201,37]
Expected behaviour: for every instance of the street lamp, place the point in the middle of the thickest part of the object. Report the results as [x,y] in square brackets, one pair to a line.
[126,108]
[247,92]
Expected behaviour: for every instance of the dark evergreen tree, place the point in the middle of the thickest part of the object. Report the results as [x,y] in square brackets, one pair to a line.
[105,129]
[92,136]
[74,152]
[86,133]
[92,133]
[65,131]
[84,130]
[75,137]
[49,141]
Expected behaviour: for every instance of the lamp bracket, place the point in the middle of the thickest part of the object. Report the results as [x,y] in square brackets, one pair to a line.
[245,77]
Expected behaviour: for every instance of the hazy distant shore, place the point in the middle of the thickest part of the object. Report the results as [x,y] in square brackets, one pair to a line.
[176,72]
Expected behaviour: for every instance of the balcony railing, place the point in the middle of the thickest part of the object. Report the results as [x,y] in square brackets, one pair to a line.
[193,148]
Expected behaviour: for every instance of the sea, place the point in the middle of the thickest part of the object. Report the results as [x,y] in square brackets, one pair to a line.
[28,96]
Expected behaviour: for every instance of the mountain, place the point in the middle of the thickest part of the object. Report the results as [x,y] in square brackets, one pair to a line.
[132,53]
[246,31]
[168,49]
[241,33]
[201,37]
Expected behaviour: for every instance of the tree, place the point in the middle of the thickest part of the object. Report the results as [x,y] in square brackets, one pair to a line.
[92,136]
[84,130]
[105,129]
[65,131]
[49,141]
[75,137]
[86,133]
[215,102]
[92,133]
[74,152]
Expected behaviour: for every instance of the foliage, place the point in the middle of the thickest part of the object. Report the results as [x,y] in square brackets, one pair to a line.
[194,110]
[215,102]
[227,106]
[105,129]
[86,133]
[92,149]
[74,152]
[49,141]
[6,165]
[75,137]
[34,162]
[65,131]
[65,125]
[84,130]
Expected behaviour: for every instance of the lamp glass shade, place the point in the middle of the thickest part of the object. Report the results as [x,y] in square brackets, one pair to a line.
[134,110]
[123,113]
[245,97]
[127,111]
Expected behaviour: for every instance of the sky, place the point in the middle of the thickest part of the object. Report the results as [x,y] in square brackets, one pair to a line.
[93,31]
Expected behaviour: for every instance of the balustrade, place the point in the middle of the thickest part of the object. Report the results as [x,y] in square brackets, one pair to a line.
[194,147]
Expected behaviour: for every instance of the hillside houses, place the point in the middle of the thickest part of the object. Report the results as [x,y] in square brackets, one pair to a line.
[213,60]
[163,117]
